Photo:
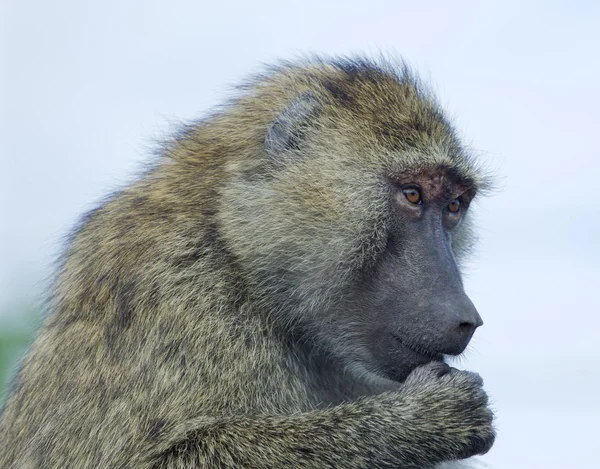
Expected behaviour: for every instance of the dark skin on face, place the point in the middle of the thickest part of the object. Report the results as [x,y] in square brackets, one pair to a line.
[413,303]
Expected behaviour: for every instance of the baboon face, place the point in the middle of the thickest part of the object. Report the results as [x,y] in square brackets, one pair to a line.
[352,230]
[378,285]
[410,307]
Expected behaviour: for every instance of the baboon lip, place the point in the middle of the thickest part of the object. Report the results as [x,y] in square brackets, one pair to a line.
[419,350]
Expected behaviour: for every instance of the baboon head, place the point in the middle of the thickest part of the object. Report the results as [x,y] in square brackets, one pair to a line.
[349,215]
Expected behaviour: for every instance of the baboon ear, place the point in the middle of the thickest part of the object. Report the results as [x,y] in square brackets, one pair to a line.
[287,131]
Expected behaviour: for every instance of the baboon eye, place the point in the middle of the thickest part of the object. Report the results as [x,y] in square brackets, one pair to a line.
[454,206]
[412,194]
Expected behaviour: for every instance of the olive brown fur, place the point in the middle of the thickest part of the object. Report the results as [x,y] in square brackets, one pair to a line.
[265,296]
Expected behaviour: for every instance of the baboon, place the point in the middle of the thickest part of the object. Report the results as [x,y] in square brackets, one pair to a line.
[279,290]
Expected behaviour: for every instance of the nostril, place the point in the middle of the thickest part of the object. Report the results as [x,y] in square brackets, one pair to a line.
[467,327]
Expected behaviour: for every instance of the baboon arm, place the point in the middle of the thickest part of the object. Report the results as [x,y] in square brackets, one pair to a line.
[367,433]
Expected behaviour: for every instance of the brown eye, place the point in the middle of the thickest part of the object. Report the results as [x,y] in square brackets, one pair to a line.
[412,194]
[454,206]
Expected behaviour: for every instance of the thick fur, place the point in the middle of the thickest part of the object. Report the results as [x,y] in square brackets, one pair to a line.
[187,324]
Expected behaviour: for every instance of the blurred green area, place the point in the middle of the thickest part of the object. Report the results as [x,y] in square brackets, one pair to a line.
[17,327]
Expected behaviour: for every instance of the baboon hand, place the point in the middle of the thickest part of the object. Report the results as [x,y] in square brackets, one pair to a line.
[454,406]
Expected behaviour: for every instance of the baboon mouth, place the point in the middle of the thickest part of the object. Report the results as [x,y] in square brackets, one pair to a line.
[419,349]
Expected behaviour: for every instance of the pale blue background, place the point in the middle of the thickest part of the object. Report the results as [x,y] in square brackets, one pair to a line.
[86,87]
